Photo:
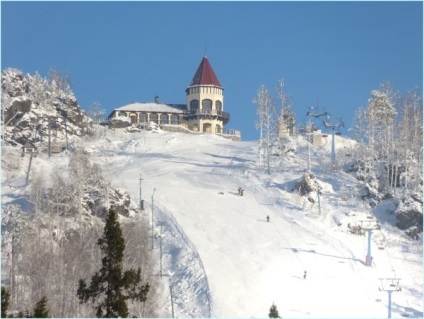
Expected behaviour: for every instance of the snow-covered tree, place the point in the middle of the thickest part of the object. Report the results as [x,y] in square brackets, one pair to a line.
[410,138]
[96,111]
[267,117]
[59,80]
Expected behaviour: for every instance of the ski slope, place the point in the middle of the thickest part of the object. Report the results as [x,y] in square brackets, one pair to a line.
[220,256]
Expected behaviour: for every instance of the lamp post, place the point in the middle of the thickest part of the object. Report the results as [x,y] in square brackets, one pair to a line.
[160,250]
[170,291]
[141,201]
[154,189]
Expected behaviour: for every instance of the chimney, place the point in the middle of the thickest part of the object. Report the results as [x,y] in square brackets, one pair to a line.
[157,99]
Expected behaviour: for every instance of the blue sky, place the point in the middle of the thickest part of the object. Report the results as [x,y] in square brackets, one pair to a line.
[329,53]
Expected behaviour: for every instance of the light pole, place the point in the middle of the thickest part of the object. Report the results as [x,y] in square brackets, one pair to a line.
[160,250]
[319,201]
[170,291]
[154,189]
[333,148]
[141,201]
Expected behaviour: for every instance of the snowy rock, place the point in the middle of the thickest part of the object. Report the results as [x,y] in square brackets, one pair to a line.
[306,184]
[31,102]
[409,214]
[120,201]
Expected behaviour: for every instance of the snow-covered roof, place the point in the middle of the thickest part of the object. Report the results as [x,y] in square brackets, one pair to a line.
[152,107]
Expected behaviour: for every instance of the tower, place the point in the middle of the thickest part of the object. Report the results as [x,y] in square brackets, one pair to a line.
[205,101]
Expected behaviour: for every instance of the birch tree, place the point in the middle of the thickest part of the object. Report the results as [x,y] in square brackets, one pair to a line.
[266,111]
[410,136]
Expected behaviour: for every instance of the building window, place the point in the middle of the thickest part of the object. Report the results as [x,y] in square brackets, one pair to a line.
[122,113]
[154,118]
[174,119]
[133,118]
[164,119]
[207,105]
[143,118]
[218,105]
[194,105]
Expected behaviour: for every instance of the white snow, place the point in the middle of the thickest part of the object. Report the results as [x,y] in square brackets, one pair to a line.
[227,261]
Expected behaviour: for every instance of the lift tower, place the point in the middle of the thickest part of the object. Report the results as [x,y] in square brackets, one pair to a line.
[390,285]
[333,126]
[369,226]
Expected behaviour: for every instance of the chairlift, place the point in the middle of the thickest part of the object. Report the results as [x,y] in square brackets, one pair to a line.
[348,155]
[344,198]
[369,217]
[324,135]
[338,133]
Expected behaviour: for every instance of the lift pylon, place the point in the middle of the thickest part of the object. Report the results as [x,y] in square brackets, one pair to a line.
[390,285]
[369,226]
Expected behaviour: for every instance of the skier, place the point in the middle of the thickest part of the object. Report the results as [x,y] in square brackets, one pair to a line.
[240,191]
[304,275]
[267,218]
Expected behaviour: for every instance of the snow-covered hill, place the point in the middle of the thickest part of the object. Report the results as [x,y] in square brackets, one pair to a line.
[221,258]
[226,260]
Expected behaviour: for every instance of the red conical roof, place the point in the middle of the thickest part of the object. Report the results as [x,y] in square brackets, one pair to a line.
[205,74]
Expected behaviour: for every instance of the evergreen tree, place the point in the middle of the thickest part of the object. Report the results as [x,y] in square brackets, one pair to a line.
[40,309]
[109,283]
[273,312]
[5,295]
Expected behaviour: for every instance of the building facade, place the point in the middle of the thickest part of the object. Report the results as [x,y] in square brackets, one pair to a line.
[202,113]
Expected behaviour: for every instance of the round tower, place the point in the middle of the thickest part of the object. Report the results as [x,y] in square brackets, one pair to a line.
[205,101]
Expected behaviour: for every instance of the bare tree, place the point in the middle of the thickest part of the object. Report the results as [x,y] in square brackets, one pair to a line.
[96,111]
[266,112]
[59,80]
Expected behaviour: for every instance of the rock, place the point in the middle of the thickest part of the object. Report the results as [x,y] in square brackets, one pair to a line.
[120,201]
[305,185]
[409,218]
[409,214]
[17,109]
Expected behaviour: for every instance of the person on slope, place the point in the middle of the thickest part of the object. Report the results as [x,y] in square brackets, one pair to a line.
[240,191]
[267,218]
[304,275]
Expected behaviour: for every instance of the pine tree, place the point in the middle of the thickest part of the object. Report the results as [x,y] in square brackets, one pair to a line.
[114,287]
[5,295]
[40,309]
[273,312]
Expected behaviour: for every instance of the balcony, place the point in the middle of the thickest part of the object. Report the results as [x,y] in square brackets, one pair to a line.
[207,114]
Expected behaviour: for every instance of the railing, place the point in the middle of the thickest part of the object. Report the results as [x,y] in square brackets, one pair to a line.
[231,132]
[192,113]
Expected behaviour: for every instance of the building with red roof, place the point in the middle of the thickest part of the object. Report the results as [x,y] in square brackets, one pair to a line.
[202,113]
